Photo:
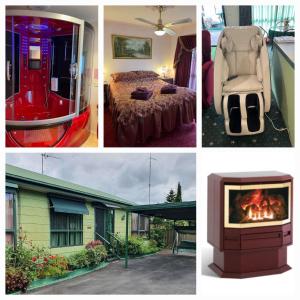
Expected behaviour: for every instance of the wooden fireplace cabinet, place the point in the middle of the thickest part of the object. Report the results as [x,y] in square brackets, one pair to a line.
[246,252]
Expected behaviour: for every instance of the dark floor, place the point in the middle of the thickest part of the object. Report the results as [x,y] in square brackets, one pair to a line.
[156,274]
[214,135]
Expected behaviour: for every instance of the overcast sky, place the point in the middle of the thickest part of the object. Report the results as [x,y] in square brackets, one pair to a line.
[124,175]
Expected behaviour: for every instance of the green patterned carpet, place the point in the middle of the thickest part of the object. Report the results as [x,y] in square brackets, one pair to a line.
[213,132]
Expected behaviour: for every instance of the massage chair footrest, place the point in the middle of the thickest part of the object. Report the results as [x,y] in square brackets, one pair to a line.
[243,113]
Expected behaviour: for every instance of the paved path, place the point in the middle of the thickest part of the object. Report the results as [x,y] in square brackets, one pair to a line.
[156,274]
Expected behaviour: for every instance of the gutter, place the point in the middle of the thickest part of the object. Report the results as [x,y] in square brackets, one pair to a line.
[17,180]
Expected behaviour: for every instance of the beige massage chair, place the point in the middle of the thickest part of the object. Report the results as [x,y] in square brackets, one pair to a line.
[242,90]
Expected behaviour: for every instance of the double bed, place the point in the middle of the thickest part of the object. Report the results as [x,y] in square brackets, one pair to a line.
[136,121]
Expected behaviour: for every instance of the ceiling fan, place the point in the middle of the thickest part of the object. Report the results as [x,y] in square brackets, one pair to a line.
[160,28]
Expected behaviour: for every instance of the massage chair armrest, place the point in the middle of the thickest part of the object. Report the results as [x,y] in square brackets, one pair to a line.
[265,74]
[221,73]
[259,70]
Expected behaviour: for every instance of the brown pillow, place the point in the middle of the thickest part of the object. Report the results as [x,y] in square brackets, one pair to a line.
[146,74]
[124,76]
[133,75]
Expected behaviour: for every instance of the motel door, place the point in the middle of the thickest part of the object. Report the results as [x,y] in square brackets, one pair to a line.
[104,221]
[100,222]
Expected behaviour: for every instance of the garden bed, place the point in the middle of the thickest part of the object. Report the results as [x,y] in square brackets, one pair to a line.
[39,283]
[79,272]
[70,275]
[29,267]
[141,255]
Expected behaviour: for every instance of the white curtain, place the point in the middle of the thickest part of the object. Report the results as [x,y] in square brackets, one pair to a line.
[193,78]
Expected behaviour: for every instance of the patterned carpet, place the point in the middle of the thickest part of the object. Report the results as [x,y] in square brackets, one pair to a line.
[213,132]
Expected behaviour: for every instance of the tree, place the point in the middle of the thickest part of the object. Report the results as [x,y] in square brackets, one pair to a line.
[178,197]
[171,196]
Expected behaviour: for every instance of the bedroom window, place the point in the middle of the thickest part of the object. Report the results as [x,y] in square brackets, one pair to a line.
[142,223]
[193,78]
[10,218]
[66,229]
[139,223]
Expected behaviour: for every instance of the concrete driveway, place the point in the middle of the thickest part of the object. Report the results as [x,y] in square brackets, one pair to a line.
[161,273]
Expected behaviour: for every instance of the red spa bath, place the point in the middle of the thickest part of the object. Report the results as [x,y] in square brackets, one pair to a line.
[48,79]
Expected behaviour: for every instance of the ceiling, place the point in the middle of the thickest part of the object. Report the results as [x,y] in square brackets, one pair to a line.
[127,14]
[87,13]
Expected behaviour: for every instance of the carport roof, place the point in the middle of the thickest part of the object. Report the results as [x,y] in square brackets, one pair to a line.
[172,211]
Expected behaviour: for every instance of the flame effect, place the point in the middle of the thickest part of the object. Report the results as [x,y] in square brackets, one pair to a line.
[260,215]
[258,206]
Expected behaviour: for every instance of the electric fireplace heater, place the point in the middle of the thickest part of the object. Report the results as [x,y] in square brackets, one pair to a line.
[249,222]
[48,79]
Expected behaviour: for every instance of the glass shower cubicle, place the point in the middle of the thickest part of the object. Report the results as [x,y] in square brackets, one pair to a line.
[48,79]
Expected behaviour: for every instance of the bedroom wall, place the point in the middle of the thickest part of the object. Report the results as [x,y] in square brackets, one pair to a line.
[162,54]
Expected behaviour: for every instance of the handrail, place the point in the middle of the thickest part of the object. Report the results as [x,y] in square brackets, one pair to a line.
[46,97]
[102,238]
[113,248]
[114,236]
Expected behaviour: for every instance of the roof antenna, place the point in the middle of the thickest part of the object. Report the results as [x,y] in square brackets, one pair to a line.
[150,159]
[45,156]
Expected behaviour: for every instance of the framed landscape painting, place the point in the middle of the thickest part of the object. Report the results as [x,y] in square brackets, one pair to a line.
[131,47]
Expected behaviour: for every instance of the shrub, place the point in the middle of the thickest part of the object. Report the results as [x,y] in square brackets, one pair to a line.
[78,260]
[134,246]
[23,257]
[158,234]
[93,244]
[34,261]
[92,256]
[16,280]
[159,229]
[149,246]
[51,266]
[138,246]
[96,255]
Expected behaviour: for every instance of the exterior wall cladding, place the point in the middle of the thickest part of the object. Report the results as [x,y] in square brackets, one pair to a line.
[33,220]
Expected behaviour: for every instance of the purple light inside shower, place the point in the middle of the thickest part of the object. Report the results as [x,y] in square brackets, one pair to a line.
[44,44]
[24,44]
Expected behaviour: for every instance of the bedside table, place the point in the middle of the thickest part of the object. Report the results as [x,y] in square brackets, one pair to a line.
[167,79]
[106,93]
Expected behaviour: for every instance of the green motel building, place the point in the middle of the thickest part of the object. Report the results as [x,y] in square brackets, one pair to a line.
[61,215]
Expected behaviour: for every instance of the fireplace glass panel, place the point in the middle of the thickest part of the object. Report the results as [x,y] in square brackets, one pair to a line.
[263,205]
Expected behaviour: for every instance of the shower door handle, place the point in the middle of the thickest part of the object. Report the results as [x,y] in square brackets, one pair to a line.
[74,71]
[8,66]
